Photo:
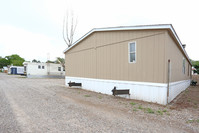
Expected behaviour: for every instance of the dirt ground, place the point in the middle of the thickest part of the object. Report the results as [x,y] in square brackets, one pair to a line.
[46,105]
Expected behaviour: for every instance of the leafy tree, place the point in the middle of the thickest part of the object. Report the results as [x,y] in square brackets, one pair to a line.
[61,61]
[3,62]
[34,60]
[48,61]
[15,59]
[195,65]
[37,61]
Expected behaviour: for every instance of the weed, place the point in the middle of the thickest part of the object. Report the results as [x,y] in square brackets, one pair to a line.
[140,107]
[149,110]
[164,110]
[134,109]
[160,112]
[197,120]
[190,121]
[168,113]
[132,103]
[189,100]
[87,95]
[100,97]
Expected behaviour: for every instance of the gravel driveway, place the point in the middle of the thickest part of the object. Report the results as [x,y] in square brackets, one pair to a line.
[46,105]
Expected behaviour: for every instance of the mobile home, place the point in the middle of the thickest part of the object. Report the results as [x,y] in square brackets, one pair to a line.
[18,70]
[43,70]
[148,60]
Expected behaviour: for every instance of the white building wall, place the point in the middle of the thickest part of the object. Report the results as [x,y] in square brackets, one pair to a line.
[32,69]
[50,69]
[145,91]
[177,87]
[20,70]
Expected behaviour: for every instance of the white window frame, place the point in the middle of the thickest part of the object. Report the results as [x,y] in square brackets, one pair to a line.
[133,52]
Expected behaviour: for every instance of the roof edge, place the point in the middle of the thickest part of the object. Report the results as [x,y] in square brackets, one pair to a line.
[138,27]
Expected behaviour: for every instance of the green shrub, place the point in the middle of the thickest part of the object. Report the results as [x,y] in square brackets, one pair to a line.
[132,103]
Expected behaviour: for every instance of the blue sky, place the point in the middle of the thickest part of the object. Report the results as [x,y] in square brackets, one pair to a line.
[33,28]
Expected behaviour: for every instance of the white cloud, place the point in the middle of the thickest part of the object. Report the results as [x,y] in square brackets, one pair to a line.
[27,44]
[94,14]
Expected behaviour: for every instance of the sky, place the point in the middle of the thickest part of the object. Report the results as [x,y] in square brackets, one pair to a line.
[33,28]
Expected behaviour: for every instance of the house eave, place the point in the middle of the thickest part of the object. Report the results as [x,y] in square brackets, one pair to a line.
[139,27]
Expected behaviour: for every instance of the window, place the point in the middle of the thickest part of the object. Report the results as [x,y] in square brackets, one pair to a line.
[132,52]
[59,68]
[39,67]
[43,67]
[183,65]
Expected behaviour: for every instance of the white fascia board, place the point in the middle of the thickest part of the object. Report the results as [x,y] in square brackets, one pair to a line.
[140,27]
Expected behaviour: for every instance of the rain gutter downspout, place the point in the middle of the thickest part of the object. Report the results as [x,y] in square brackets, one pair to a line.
[168,81]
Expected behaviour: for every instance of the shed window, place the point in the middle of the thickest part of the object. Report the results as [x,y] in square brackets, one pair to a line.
[59,68]
[39,67]
[183,65]
[132,52]
[43,67]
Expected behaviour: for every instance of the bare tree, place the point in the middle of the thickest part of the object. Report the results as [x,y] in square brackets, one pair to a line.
[69,27]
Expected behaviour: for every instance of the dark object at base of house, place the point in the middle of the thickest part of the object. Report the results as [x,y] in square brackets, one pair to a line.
[74,84]
[120,92]
[193,83]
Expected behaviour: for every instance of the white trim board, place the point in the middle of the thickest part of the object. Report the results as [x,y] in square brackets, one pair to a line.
[146,91]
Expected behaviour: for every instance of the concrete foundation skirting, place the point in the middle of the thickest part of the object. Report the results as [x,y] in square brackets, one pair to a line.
[146,91]
[177,87]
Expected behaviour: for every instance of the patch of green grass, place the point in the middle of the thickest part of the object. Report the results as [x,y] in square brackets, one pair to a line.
[87,95]
[100,97]
[197,120]
[189,100]
[160,112]
[140,107]
[164,110]
[190,121]
[149,110]
[132,103]
[134,109]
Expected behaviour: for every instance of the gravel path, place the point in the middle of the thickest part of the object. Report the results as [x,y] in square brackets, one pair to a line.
[46,105]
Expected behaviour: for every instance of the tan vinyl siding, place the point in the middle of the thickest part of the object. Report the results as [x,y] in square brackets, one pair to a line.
[176,56]
[104,55]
